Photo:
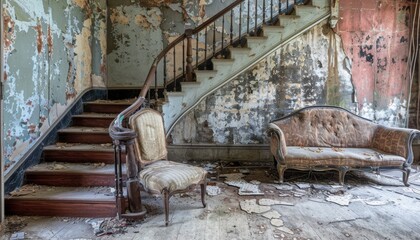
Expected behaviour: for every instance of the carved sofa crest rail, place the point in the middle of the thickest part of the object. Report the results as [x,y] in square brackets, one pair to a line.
[331,138]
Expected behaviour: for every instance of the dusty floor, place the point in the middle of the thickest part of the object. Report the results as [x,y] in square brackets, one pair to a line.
[308,206]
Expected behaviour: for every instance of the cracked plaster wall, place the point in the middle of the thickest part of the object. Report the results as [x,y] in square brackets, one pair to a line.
[139,31]
[53,51]
[312,69]
[361,66]
[375,37]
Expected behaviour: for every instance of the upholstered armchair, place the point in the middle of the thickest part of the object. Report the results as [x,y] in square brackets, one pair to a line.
[157,174]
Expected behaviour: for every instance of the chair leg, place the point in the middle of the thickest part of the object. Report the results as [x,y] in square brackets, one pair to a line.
[166,203]
[203,193]
[406,174]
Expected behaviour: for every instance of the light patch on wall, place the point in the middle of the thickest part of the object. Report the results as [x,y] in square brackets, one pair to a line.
[83,57]
[393,115]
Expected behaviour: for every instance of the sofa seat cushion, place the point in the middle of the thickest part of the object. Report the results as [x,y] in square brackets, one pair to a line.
[173,176]
[350,157]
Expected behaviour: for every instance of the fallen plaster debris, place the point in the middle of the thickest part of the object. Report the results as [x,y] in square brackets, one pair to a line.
[251,206]
[276,222]
[213,190]
[270,202]
[376,203]
[286,230]
[272,214]
[411,190]
[284,195]
[342,200]
[245,188]
[17,236]
[303,185]
[284,187]
[255,182]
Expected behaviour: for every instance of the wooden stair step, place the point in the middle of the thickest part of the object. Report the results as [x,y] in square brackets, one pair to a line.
[108,106]
[92,135]
[80,153]
[89,119]
[37,200]
[71,174]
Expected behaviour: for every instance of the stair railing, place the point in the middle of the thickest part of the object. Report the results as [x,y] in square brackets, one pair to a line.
[224,21]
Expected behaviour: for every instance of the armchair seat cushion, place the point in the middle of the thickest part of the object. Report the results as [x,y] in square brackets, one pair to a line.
[173,176]
[351,157]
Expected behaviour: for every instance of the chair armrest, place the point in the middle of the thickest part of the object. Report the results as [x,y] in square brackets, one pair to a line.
[396,141]
[277,142]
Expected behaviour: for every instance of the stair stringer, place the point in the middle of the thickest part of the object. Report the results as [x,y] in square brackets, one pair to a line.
[178,104]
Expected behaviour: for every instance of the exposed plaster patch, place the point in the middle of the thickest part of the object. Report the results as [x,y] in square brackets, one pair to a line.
[118,17]
[39,42]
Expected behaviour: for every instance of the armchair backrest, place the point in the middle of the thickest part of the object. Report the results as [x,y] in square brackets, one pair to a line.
[150,143]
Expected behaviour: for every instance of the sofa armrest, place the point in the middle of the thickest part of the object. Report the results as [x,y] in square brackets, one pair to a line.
[396,141]
[277,142]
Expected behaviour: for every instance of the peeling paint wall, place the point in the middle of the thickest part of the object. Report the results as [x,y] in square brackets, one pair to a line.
[375,37]
[312,69]
[139,31]
[361,65]
[53,51]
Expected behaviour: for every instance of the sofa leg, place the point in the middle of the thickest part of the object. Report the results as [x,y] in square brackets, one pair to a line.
[281,169]
[406,174]
[341,174]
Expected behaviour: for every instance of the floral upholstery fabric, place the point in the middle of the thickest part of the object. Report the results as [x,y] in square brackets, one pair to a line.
[170,175]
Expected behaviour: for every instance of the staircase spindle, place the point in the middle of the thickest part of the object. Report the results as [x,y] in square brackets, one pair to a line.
[231,27]
[205,49]
[263,11]
[223,33]
[256,18]
[280,7]
[214,39]
[156,87]
[174,88]
[240,22]
[183,58]
[196,52]
[165,80]
[189,68]
[271,11]
[247,17]
[287,6]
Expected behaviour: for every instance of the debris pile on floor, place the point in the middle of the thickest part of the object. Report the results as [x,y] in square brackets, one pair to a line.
[245,188]
[109,226]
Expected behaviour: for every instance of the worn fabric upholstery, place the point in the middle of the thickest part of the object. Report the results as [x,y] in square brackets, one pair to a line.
[392,140]
[277,140]
[350,157]
[326,127]
[150,142]
[170,175]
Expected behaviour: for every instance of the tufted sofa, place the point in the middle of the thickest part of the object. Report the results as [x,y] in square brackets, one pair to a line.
[331,138]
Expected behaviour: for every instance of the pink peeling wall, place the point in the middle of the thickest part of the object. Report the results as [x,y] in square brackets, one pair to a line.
[375,37]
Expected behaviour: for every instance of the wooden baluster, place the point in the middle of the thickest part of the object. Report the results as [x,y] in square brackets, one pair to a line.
[174,70]
[223,33]
[271,12]
[205,49]
[231,27]
[196,52]
[214,39]
[263,11]
[118,179]
[183,59]
[247,27]
[189,68]
[165,80]
[156,87]
[280,7]
[240,22]
[287,6]
[256,18]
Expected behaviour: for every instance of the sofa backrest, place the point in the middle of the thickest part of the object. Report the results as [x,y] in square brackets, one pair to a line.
[326,126]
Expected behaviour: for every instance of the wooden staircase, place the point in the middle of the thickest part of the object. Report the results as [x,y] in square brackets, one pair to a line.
[77,177]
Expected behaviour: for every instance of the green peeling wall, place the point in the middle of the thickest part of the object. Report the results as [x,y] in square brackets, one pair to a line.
[54,50]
